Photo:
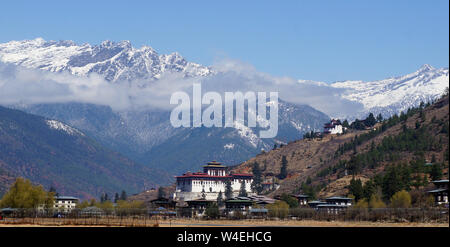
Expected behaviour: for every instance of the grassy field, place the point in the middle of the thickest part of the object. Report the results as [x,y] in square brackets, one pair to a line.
[36,222]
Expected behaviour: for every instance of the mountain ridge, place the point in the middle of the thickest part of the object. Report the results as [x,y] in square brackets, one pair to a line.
[52,153]
[114,60]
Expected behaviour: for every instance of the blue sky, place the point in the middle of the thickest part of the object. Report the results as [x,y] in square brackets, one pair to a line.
[315,40]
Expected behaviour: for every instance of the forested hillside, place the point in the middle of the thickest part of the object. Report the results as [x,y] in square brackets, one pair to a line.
[54,154]
[375,155]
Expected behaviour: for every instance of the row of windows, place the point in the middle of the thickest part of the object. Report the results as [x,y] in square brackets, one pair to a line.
[69,202]
[64,206]
[212,182]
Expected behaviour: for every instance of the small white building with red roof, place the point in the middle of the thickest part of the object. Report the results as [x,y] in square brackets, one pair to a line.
[333,127]
[208,184]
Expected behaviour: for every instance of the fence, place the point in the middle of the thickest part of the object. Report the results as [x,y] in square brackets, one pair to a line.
[142,217]
[377,214]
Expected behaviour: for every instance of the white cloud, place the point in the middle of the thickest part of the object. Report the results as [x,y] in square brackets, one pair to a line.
[20,85]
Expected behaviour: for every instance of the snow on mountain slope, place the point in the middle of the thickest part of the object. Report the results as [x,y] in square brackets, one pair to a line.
[63,127]
[393,95]
[113,60]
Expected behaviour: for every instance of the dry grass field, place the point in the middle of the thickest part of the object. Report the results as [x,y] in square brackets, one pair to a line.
[41,222]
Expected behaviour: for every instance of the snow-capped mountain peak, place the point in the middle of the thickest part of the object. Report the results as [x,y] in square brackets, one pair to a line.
[396,94]
[425,67]
[113,60]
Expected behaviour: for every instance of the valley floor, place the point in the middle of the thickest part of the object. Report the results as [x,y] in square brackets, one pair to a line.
[214,223]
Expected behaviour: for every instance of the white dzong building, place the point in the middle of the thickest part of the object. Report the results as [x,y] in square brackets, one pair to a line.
[208,184]
[333,127]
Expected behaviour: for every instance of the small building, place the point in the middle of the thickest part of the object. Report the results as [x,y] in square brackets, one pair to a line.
[65,204]
[163,202]
[331,208]
[7,212]
[267,186]
[258,212]
[315,204]
[162,212]
[333,127]
[440,192]
[196,208]
[338,200]
[92,212]
[302,199]
[239,204]
[261,200]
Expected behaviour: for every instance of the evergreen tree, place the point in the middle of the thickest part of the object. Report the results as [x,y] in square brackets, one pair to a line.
[243,191]
[116,197]
[220,199]
[308,180]
[436,172]
[203,194]
[53,190]
[291,201]
[228,190]
[257,178]
[283,170]
[370,120]
[345,124]
[380,118]
[123,195]
[161,192]
[356,189]
[392,182]
[212,211]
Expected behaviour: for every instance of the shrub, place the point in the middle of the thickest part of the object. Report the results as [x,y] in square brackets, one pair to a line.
[279,209]
[401,199]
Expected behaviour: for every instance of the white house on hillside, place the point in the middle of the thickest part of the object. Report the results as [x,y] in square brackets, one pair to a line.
[333,127]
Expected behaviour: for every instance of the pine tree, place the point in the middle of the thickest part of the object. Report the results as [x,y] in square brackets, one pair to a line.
[283,170]
[243,191]
[370,120]
[220,199]
[436,172]
[161,192]
[308,180]
[116,197]
[257,178]
[123,195]
[356,189]
[228,190]
[345,124]
[380,118]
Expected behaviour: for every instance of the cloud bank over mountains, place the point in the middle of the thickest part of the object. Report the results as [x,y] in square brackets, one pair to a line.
[20,85]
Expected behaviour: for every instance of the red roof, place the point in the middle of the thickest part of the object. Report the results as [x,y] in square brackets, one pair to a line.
[205,175]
